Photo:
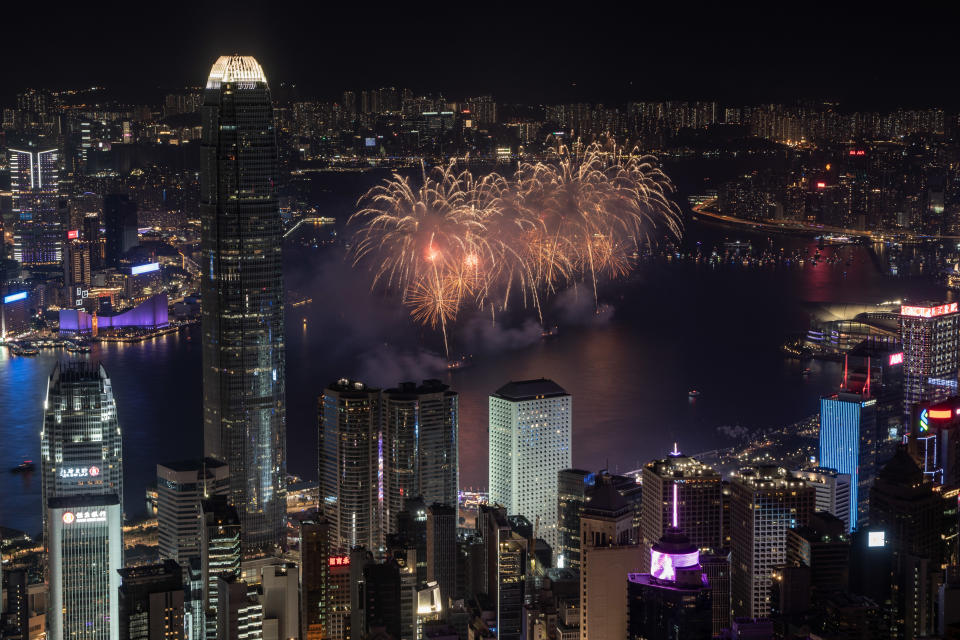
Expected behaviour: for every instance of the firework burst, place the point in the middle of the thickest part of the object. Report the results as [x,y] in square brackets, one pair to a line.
[455,241]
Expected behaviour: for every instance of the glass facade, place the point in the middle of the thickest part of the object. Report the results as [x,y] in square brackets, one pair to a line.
[931,358]
[242,290]
[848,427]
[38,232]
[80,445]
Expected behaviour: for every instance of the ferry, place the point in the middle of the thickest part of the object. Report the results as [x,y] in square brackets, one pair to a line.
[24,467]
[694,393]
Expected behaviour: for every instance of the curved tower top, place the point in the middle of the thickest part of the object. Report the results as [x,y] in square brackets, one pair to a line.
[228,69]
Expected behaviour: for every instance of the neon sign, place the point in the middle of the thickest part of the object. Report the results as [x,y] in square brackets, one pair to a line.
[73,234]
[13,297]
[857,152]
[84,516]
[928,312]
[924,425]
[79,472]
[821,185]
[940,414]
[144,268]
[339,561]
[896,358]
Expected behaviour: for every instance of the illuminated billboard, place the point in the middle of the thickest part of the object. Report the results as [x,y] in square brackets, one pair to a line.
[144,268]
[928,312]
[73,234]
[13,297]
[876,539]
[338,561]
[896,358]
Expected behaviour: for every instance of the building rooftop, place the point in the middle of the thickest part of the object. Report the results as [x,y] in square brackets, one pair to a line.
[530,390]
[193,465]
[235,68]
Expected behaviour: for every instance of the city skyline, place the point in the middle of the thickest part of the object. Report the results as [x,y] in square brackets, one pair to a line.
[772,285]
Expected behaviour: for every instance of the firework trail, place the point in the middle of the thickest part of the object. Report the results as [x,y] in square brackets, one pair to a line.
[456,242]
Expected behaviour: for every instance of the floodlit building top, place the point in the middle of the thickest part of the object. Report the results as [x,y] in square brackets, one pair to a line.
[235,68]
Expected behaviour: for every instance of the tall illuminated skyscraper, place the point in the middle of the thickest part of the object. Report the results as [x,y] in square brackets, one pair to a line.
[848,444]
[34,184]
[930,333]
[699,501]
[420,435]
[530,435]
[80,444]
[242,289]
[351,465]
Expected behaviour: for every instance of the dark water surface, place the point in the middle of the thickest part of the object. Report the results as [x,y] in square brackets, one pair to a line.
[673,327]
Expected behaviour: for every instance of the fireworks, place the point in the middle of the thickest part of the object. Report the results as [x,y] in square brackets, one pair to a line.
[457,242]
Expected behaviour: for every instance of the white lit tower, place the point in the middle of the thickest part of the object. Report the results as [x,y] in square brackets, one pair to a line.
[34,186]
[244,410]
[530,436]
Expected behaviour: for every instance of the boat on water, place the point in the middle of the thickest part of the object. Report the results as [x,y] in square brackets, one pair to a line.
[693,393]
[460,363]
[24,467]
[805,372]
[28,349]
[550,332]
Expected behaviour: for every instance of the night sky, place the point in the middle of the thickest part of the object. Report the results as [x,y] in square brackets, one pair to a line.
[864,56]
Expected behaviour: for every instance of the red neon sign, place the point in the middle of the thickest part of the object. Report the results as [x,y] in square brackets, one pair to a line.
[896,358]
[928,312]
[821,185]
[857,152]
[940,414]
[339,561]
[73,234]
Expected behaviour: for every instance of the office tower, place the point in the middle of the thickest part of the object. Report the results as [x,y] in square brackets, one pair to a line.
[930,333]
[280,586]
[34,185]
[180,488]
[848,432]
[934,440]
[674,601]
[766,501]
[80,444]
[194,604]
[505,562]
[420,435]
[571,493]
[381,597]
[14,602]
[242,289]
[606,555]
[76,268]
[442,549]
[239,611]
[430,608]
[411,536]
[351,461]
[86,553]
[824,546]
[120,224]
[219,551]
[530,436]
[884,362]
[338,599]
[314,542]
[699,501]
[716,566]
[832,490]
[152,602]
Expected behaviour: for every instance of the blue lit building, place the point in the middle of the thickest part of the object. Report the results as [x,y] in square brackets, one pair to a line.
[848,444]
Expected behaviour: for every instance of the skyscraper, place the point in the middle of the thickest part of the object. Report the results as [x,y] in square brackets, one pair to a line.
[766,501]
[151,602]
[420,431]
[34,184]
[80,444]
[698,500]
[242,289]
[848,444]
[120,222]
[832,491]
[351,461]
[219,552]
[180,488]
[930,332]
[86,553]
[530,436]
[442,549]
[571,494]
[314,574]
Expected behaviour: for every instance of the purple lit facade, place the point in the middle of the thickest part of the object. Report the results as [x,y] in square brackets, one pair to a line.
[151,314]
